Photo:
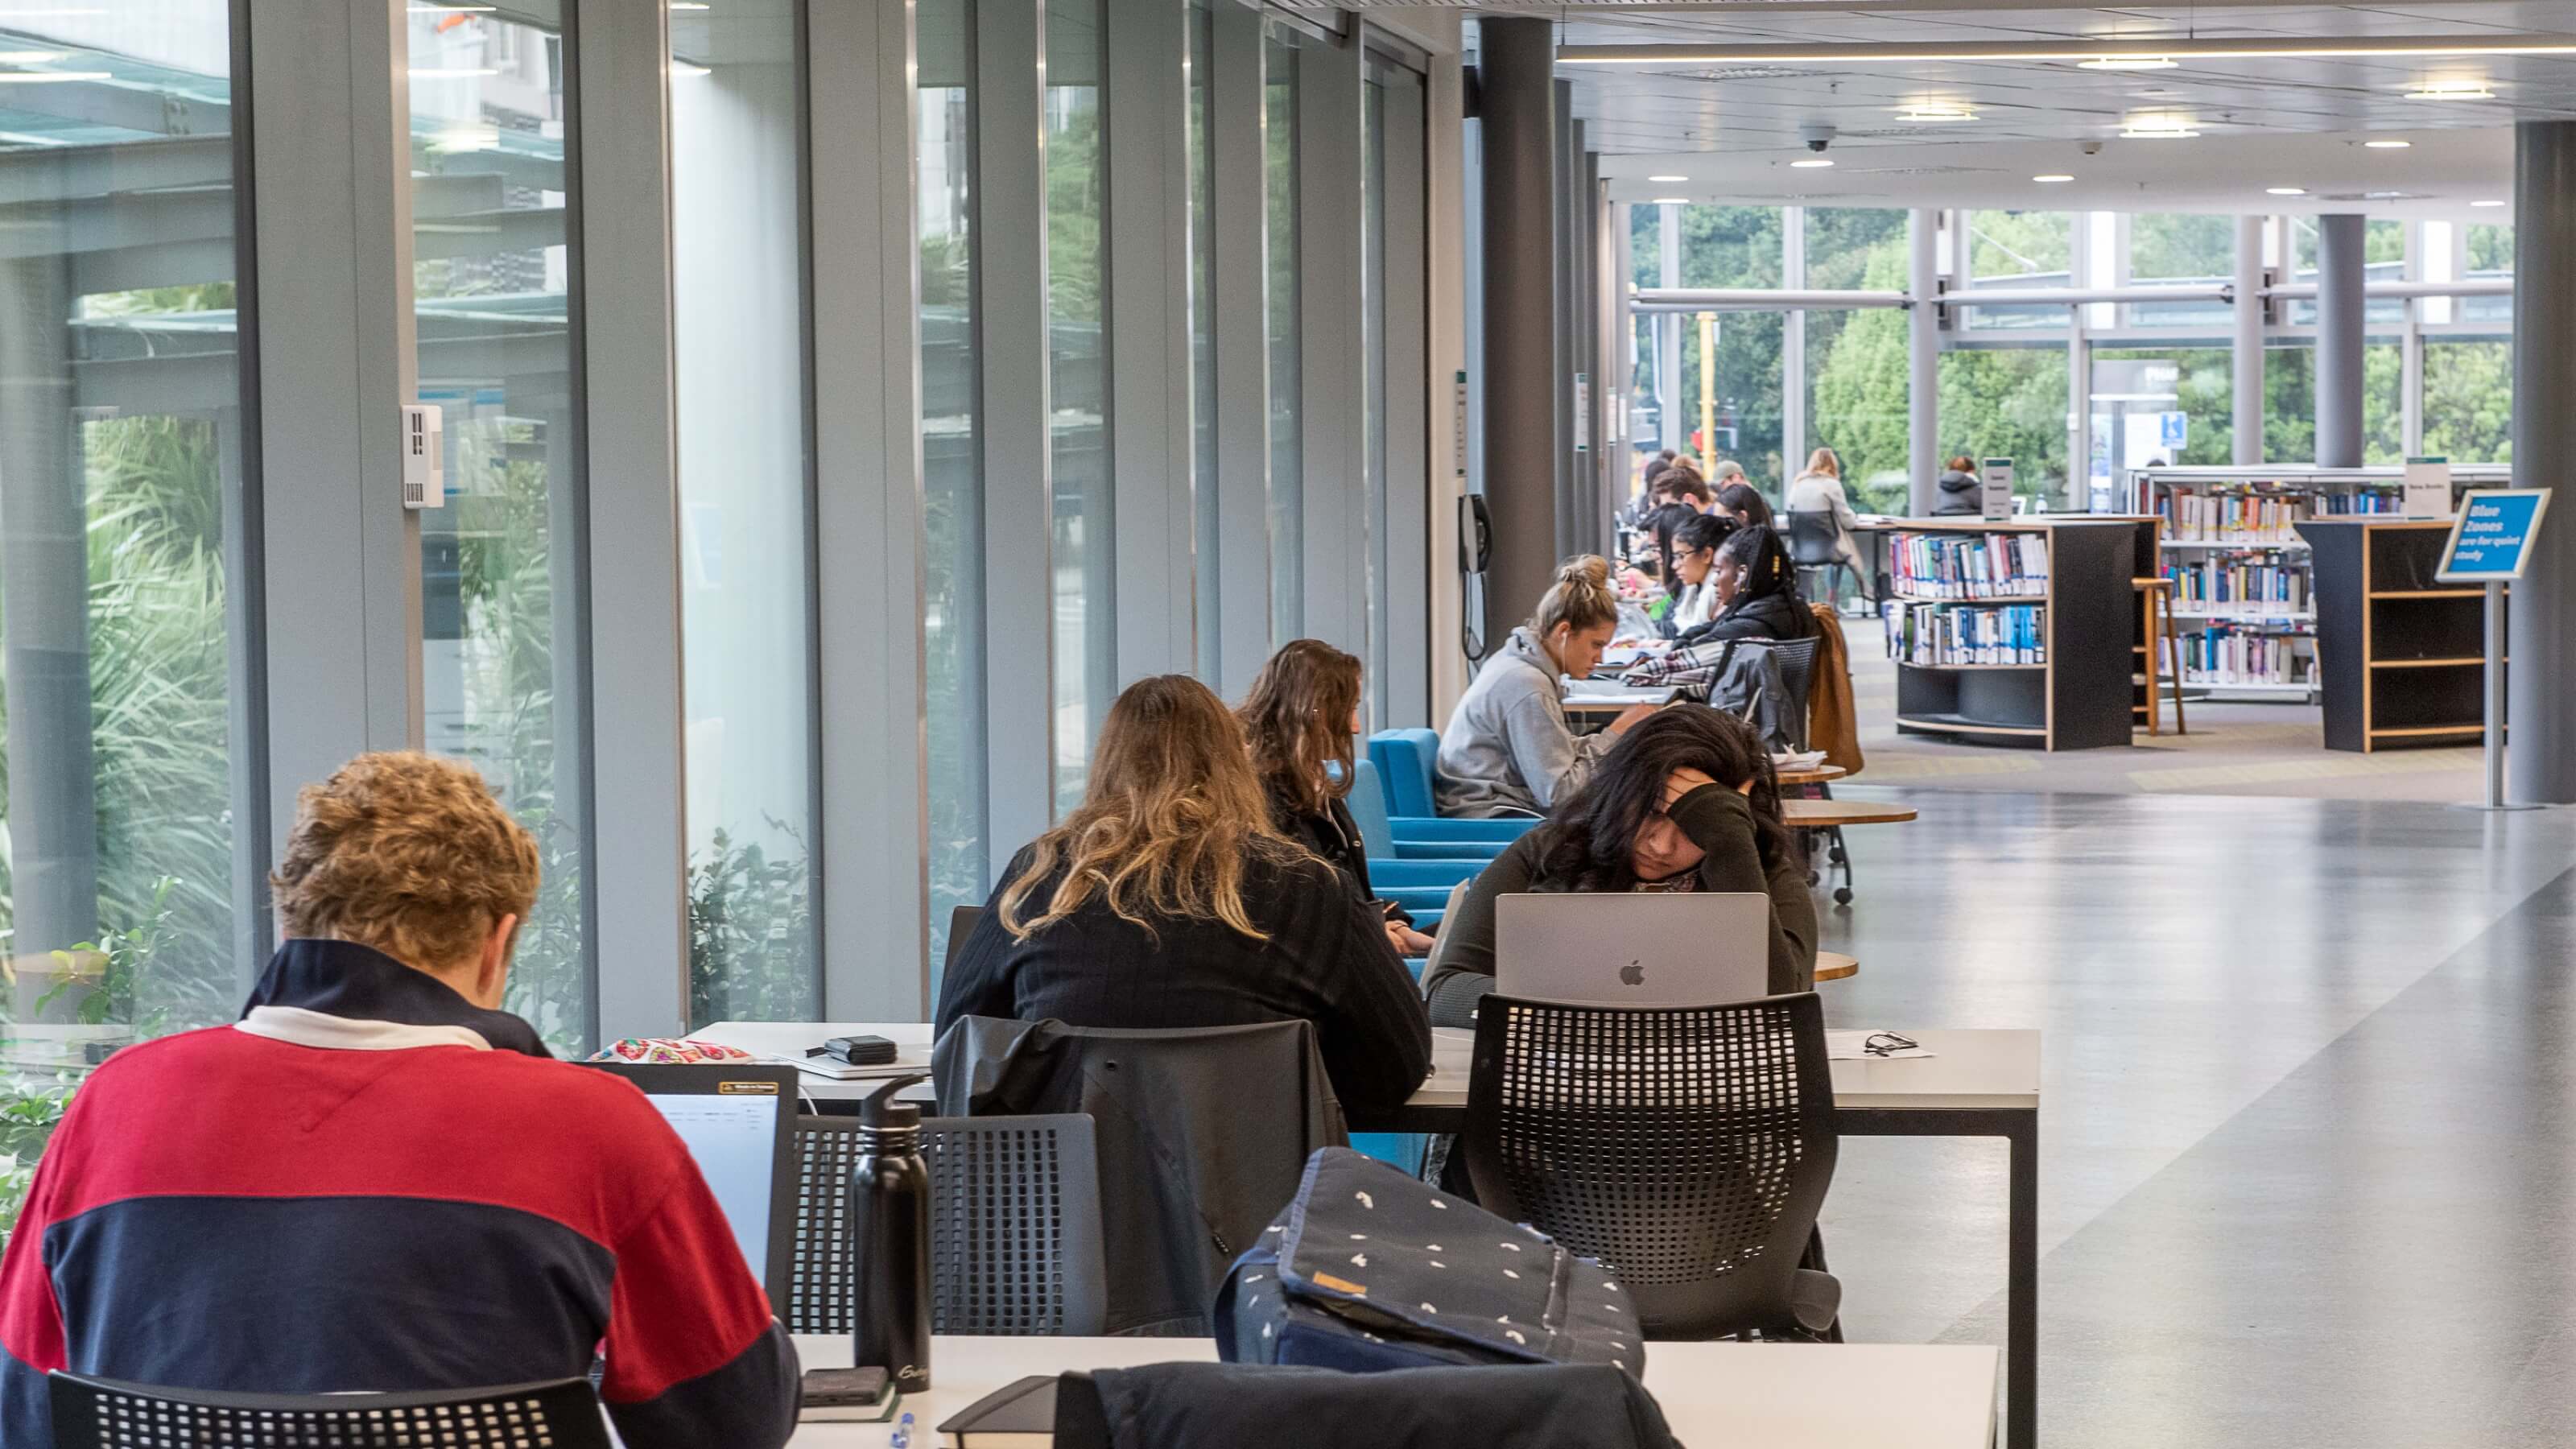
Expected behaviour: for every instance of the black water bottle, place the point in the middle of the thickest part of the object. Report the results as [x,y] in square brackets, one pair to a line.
[890,1240]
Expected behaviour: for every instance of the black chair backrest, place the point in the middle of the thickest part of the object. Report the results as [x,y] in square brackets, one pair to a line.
[1687,1147]
[1815,540]
[1015,1237]
[1798,676]
[961,924]
[93,1413]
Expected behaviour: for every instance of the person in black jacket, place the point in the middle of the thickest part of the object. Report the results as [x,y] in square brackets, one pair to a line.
[1961,490]
[1685,801]
[1167,899]
[1301,716]
[1757,592]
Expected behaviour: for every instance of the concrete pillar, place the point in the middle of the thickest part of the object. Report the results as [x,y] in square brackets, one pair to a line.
[1516,62]
[1670,405]
[1569,317]
[44,597]
[1923,370]
[2540,761]
[2247,361]
[2340,273]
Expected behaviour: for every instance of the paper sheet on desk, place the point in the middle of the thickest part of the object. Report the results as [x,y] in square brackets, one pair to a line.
[1848,1046]
[1802,760]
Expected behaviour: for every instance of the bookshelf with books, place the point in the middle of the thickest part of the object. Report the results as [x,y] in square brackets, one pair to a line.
[2243,591]
[2018,633]
[2401,655]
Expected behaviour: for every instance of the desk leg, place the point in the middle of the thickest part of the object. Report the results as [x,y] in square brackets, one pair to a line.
[2021,1287]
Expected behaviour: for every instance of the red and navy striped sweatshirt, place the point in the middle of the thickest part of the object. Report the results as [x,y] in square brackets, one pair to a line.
[368,1183]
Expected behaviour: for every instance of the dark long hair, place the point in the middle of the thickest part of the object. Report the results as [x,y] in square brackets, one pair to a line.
[1590,845]
[1767,570]
[1298,720]
[1746,502]
[1703,530]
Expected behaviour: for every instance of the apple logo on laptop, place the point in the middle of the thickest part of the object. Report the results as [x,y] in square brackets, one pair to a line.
[1633,974]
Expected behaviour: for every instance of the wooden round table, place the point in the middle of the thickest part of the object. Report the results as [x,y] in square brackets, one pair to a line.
[1816,775]
[1834,966]
[1824,814]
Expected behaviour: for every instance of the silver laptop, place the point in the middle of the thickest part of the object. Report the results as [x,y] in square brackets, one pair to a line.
[1645,949]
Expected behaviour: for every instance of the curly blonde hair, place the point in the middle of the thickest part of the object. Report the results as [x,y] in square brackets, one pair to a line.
[407,853]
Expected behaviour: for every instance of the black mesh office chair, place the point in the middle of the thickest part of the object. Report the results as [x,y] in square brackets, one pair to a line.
[1687,1147]
[1015,1237]
[961,924]
[1816,545]
[93,1413]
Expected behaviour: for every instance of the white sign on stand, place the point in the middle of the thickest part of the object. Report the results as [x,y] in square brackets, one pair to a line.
[2428,489]
[1996,498]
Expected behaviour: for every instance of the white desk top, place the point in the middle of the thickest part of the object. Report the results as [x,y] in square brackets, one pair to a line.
[1781,1396]
[1988,1070]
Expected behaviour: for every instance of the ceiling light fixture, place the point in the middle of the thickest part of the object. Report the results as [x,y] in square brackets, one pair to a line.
[2059,52]
[683,68]
[2285,191]
[2386,145]
[1672,201]
[49,77]
[1934,111]
[2441,91]
[2053,179]
[2158,131]
[1811,163]
[28,57]
[450,72]
[2130,62]
[1668,180]
[688,4]
[2486,203]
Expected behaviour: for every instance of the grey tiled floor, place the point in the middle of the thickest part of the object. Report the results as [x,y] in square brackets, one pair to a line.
[2307,1166]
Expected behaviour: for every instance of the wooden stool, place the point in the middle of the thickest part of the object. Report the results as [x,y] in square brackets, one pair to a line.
[1834,966]
[2154,596]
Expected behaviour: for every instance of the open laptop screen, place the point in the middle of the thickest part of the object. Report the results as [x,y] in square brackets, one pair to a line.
[737,1122]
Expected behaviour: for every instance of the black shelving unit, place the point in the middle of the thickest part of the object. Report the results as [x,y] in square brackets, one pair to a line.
[2402,655]
[2083,697]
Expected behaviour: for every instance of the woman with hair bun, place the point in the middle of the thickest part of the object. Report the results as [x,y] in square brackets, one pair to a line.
[1507,750]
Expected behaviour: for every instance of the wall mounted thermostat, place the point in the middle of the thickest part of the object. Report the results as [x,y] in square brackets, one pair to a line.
[424,450]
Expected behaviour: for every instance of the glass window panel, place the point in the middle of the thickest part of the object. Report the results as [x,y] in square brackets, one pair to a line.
[1078,432]
[1203,334]
[737,244]
[1287,389]
[952,462]
[1734,246]
[1857,378]
[2181,248]
[2019,249]
[2290,402]
[2490,255]
[2009,402]
[2138,391]
[2468,401]
[120,474]
[491,277]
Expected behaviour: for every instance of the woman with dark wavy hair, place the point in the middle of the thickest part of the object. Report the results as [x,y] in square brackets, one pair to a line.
[1685,802]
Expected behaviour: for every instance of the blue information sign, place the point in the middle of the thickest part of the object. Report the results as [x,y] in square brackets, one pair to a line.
[2491,537]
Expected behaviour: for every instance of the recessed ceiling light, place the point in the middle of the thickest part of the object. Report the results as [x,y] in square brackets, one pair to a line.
[2285,191]
[2129,62]
[1668,180]
[2387,145]
[688,4]
[1934,111]
[683,68]
[2443,91]
[450,72]
[2052,180]
[1812,163]
[28,57]
[2486,203]
[49,77]
[2158,131]
[1672,201]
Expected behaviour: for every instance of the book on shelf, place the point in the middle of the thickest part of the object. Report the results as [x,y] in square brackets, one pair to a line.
[1929,636]
[2257,513]
[2237,586]
[1970,566]
[2224,655]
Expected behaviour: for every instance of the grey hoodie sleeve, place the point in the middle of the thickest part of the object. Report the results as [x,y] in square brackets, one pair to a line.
[1549,758]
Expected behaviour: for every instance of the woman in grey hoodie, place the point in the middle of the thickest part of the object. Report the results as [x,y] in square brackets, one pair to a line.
[1507,750]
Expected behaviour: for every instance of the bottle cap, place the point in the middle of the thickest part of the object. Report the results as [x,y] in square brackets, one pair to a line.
[879,1109]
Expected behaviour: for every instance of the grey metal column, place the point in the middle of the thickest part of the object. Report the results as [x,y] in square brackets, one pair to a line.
[330,91]
[1237,124]
[44,596]
[1793,345]
[2247,359]
[1145,56]
[1414,397]
[1569,328]
[639,872]
[2540,765]
[1669,405]
[1516,60]
[1332,343]
[1011,353]
[1923,363]
[875,873]
[2340,273]
[1592,485]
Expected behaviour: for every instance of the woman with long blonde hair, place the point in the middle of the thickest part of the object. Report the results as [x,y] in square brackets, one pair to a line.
[1169,899]
[1301,717]
[1507,749]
